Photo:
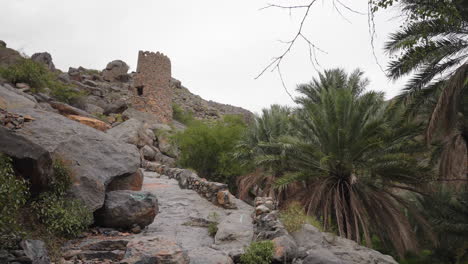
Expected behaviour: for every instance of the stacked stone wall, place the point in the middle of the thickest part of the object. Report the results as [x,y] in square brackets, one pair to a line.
[215,192]
[152,92]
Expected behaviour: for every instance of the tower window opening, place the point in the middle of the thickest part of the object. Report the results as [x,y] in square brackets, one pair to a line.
[140,90]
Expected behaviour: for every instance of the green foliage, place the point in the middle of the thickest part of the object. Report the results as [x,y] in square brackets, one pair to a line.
[60,214]
[293,217]
[208,148]
[447,211]
[260,147]
[345,153]
[27,71]
[61,181]
[213,225]
[258,253]
[431,50]
[39,77]
[185,117]
[13,195]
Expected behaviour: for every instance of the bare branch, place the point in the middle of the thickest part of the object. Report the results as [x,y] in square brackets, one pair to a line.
[274,64]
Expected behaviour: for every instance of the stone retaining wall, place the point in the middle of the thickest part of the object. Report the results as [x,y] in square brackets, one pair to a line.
[215,192]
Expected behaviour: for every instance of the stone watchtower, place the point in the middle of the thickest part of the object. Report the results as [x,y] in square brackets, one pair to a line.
[152,92]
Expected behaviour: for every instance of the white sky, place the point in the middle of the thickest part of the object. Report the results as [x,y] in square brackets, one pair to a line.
[217,47]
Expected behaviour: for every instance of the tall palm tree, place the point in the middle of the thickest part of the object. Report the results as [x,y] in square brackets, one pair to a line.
[260,148]
[352,152]
[434,51]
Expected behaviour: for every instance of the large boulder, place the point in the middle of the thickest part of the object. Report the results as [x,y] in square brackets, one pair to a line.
[328,248]
[2,44]
[44,58]
[91,122]
[127,132]
[9,56]
[206,255]
[133,132]
[115,71]
[234,234]
[133,182]
[154,249]
[30,160]
[36,251]
[11,98]
[95,158]
[125,209]
[285,249]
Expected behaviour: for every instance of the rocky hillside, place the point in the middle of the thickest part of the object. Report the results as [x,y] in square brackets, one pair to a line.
[120,166]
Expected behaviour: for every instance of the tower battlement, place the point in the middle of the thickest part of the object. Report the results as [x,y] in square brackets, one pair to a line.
[152,92]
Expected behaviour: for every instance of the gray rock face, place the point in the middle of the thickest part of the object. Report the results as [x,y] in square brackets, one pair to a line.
[116,107]
[148,152]
[95,158]
[44,58]
[115,70]
[36,251]
[11,99]
[30,160]
[234,234]
[153,250]
[124,209]
[127,132]
[328,247]
[206,255]
[285,248]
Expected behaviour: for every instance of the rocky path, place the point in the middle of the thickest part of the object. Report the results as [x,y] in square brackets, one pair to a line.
[178,235]
[184,217]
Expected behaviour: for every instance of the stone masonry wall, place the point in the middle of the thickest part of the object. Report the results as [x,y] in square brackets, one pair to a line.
[152,92]
[215,192]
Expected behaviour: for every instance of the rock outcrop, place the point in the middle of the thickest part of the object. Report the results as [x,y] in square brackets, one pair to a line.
[308,245]
[124,209]
[44,58]
[95,158]
[115,71]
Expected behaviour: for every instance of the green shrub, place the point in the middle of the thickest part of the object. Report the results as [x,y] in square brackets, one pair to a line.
[185,117]
[208,148]
[62,216]
[13,195]
[62,179]
[293,217]
[39,77]
[27,71]
[213,225]
[258,253]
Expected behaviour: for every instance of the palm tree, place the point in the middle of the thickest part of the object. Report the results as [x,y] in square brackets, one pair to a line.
[353,152]
[434,51]
[260,148]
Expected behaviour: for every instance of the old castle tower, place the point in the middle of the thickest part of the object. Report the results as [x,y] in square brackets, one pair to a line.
[152,92]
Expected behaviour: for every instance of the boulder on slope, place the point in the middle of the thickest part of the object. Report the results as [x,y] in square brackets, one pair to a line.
[124,209]
[95,158]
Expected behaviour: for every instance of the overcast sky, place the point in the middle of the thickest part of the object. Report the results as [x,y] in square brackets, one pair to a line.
[216,47]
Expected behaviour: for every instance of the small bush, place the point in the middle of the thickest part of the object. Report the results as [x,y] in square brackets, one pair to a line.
[13,195]
[293,217]
[39,77]
[208,148]
[213,225]
[62,216]
[27,71]
[258,253]
[62,179]
[182,116]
